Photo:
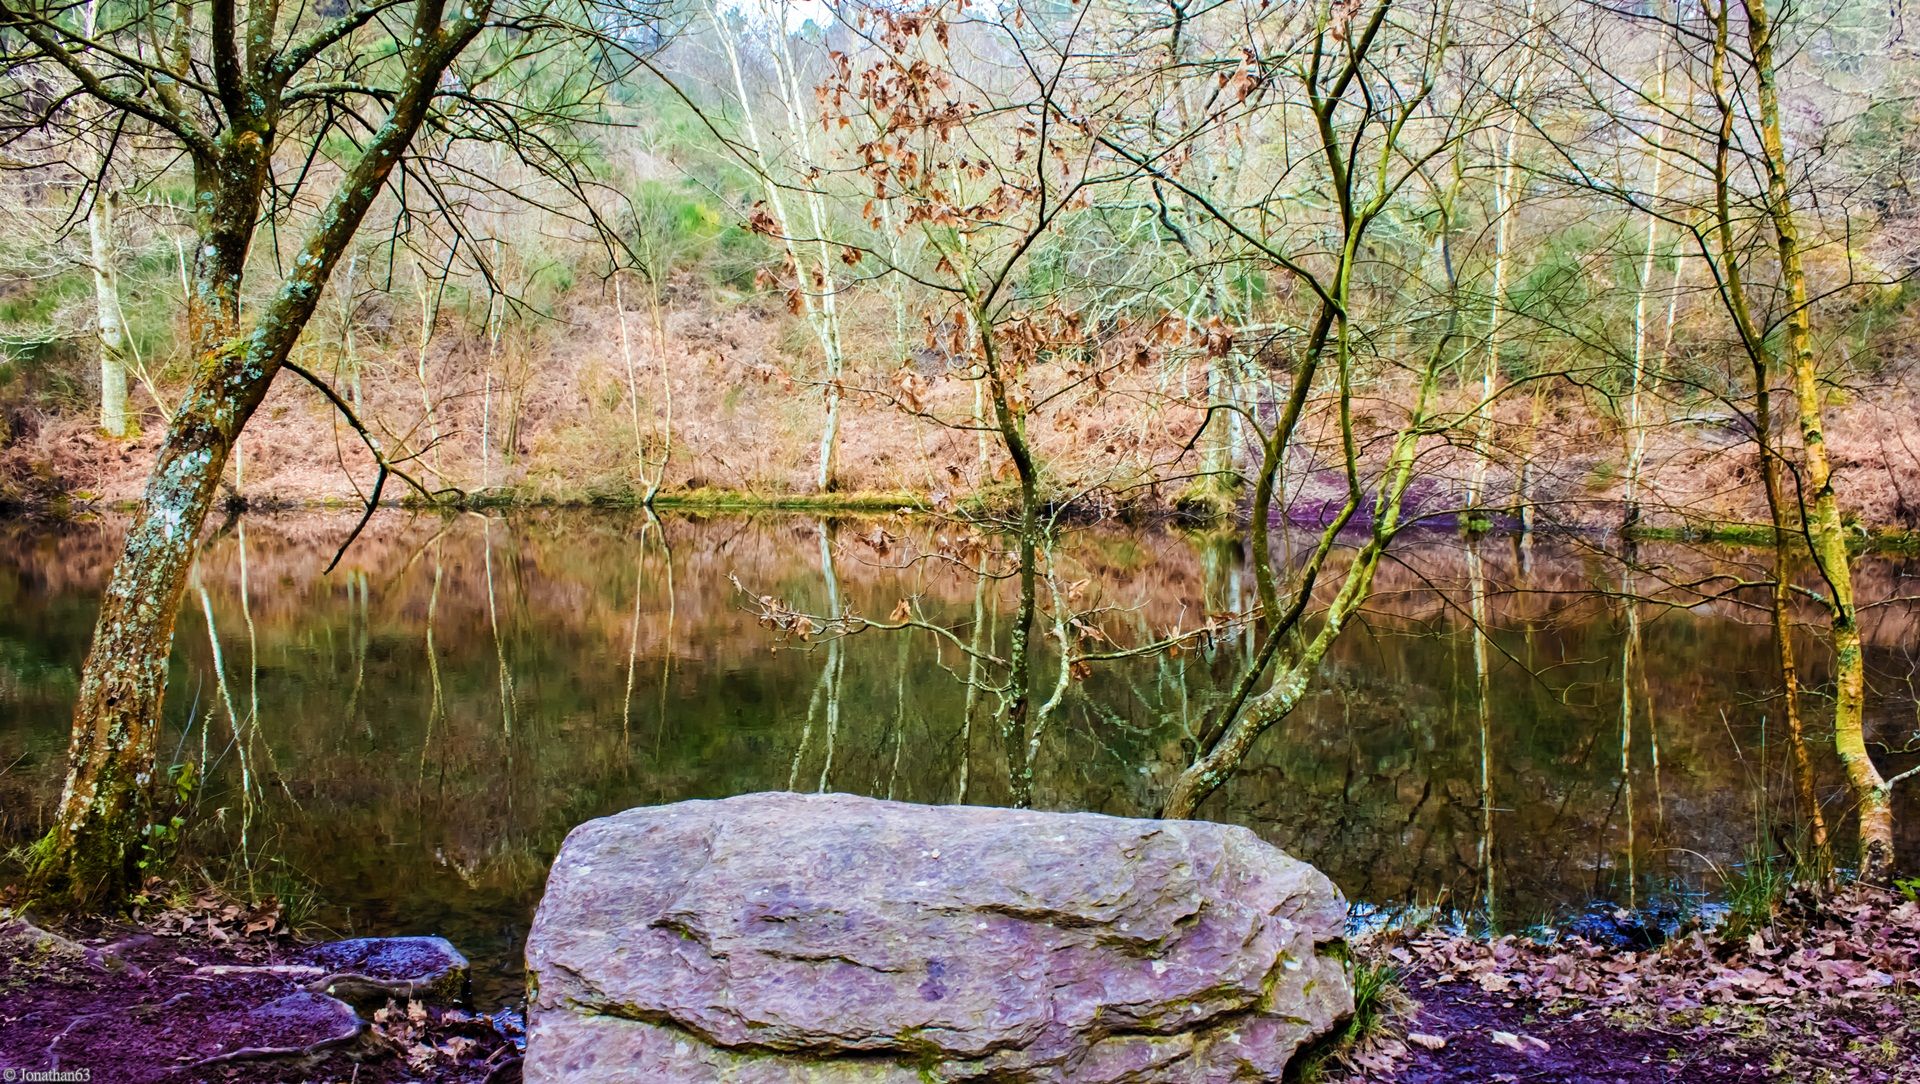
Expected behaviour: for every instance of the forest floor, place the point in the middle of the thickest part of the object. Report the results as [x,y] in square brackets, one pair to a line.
[208,992]
[1826,992]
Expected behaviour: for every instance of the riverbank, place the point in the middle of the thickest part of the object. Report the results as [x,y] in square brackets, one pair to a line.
[743,441]
[988,505]
[984,510]
[60,505]
[1825,991]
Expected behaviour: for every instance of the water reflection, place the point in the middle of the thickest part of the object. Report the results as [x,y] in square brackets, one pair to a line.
[412,735]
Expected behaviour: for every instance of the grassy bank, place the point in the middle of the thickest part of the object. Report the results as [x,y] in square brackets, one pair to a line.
[695,501]
[1864,539]
[990,504]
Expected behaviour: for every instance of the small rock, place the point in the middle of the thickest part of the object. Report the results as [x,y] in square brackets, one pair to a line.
[370,971]
[299,1024]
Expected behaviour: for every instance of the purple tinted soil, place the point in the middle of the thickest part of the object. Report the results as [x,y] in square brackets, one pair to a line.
[139,1010]
[1582,1049]
[1875,1042]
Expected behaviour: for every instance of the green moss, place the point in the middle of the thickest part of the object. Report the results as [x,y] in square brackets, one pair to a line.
[992,501]
[1860,539]
[1741,534]
[740,500]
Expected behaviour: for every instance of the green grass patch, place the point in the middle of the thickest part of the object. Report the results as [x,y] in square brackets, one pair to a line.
[1754,891]
[729,500]
[1378,998]
[1860,539]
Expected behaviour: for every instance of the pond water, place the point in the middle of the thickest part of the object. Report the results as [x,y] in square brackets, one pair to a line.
[424,724]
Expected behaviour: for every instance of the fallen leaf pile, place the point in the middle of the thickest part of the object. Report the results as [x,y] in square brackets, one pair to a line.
[411,1030]
[208,913]
[1847,948]
[1828,990]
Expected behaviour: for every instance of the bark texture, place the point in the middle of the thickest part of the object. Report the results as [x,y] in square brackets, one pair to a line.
[92,856]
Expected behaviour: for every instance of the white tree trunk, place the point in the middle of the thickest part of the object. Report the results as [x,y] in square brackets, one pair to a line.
[110,322]
[812,262]
[1503,231]
[1635,425]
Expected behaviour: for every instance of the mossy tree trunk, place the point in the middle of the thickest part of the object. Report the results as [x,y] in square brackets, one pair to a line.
[1019,738]
[1280,674]
[1781,607]
[92,855]
[1826,533]
[1818,508]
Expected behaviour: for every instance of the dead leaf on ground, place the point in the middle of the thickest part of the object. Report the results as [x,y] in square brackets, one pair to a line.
[1524,1044]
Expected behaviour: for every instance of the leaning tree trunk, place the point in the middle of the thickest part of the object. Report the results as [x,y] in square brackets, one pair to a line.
[1244,722]
[95,850]
[92,855]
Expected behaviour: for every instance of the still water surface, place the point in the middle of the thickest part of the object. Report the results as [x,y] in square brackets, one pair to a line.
[429,720]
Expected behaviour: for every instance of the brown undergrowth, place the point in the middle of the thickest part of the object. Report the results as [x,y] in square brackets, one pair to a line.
[558,423]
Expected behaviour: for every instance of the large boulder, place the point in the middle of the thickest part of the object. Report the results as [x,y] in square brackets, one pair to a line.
[785,938]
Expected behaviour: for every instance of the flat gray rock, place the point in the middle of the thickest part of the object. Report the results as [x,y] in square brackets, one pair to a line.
[368,971]
[777,938]
[211,1023]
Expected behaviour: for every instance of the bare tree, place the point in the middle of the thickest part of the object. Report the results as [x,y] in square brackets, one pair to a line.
[1727,179]
[259,100]
[1361,81]
[782,152]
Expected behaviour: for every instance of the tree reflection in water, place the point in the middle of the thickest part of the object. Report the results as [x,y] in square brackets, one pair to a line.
[434,716]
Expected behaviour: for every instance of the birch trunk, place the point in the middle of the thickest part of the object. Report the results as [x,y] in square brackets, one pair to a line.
[1636,432]
[1503,198]
[811,258]
[110,322]
[1483,719]
[1490,359]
